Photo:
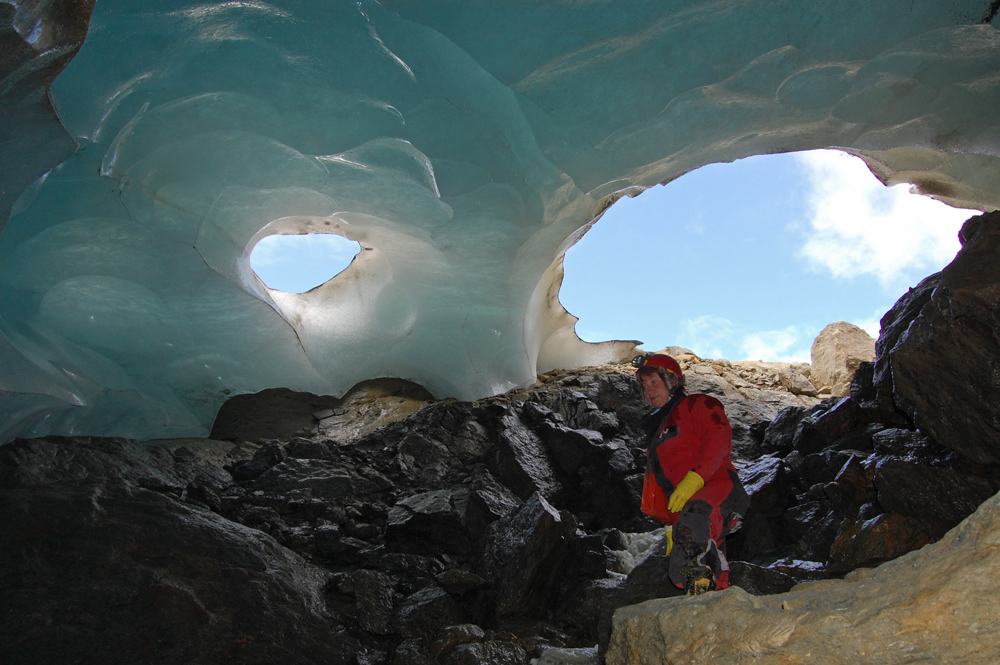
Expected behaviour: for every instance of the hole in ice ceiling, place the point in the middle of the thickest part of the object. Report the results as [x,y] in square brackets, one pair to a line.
[298,263]
[751,260]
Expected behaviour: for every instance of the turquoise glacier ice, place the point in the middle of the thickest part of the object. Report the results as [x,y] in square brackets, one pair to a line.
[465,144]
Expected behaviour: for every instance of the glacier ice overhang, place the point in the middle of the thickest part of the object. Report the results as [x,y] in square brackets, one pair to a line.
[465,145]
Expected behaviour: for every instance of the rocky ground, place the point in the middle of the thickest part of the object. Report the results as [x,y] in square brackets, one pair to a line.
[386,527]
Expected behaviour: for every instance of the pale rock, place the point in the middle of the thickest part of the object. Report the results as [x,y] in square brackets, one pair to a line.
[836,353]
[939,604]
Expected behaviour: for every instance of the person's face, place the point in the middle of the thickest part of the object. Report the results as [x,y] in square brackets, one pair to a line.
[654,390]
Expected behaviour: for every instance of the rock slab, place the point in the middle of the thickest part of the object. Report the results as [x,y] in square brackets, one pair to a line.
[940,604]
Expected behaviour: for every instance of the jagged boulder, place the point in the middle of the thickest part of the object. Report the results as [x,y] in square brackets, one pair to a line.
[521,461]
[522,557]
[837,352]
[943,366]
[430,522]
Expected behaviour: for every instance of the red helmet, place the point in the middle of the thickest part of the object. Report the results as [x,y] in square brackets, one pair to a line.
[658,360]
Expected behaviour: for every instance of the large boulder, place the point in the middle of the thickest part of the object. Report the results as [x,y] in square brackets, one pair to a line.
[836,353]
[937,605]
[523,555]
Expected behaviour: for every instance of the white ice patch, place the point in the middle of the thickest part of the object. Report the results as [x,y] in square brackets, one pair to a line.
[640,546]
[586,656]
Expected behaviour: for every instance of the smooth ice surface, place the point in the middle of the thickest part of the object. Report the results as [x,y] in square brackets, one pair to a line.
[464,145]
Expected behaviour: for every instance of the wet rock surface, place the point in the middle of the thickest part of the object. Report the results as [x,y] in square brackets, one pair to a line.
[956,327]
[387,528]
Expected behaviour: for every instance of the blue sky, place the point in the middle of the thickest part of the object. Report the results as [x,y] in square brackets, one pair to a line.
[745,261]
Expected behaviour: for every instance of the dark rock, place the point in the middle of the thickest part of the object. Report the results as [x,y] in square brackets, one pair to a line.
[488,501]
[537,415]
[826,423]
[307,449]
[871,542]
[373,591]
[819,468]
[570,448]
[57,460]
[860,439]
[128,575]
[451,636]
[424,459]
[522,558]
[910,446]
[275,413]
[609,490]
[614,539]
[460,582]
[863,384]
[779,436]
[959,329]
[469,441]
[330,543]
[757,580]
[264,459]
[490,652]
[869,510]
[323,478]
[939,498]
[426,612]
[579,412]
[760,535]
[408,565]
[366,656]
[766,485]
[816,542]
[411,652]
[894,324]
[429,523]
[520,461]
[801,517]
[588,558]
[856,480]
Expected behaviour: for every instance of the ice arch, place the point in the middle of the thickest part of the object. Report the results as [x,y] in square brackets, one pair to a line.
[465,145]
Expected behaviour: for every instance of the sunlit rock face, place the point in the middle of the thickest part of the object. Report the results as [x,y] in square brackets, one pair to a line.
[464,145]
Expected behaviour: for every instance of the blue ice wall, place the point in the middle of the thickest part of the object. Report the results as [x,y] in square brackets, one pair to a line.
[464,145]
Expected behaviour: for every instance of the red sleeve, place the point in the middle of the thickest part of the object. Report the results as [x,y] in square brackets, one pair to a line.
[714,432]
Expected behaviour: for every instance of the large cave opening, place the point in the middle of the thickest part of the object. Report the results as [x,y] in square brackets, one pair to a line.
[751,259]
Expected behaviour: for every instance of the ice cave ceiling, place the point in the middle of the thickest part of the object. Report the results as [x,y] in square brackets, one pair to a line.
[465,144]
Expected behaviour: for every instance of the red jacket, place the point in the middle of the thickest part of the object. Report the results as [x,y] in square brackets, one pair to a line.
[695,436]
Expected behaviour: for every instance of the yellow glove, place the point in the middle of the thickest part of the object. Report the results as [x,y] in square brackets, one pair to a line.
[670,538]
[685,490]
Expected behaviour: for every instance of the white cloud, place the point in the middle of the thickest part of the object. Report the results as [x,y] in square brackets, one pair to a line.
[776,346]
[873,325]
[713,336]
[858,226]
[706,335]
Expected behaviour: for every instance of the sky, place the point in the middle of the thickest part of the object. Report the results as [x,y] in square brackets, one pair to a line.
[751,260]
[744,261]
